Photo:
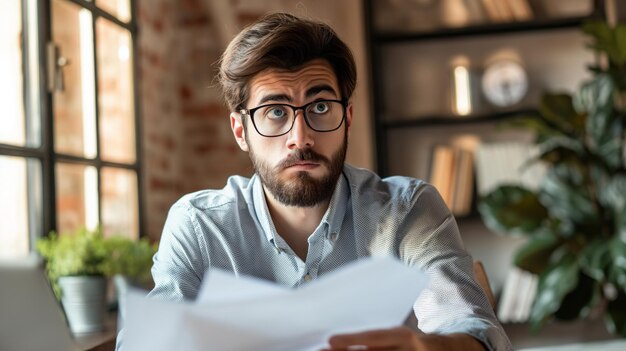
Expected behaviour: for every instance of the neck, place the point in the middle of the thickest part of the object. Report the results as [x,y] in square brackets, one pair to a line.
[295,224]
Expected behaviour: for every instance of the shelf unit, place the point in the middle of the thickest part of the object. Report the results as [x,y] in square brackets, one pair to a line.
[412,107]
[382,42]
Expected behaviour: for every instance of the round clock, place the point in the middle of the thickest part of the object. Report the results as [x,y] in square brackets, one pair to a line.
[504,83]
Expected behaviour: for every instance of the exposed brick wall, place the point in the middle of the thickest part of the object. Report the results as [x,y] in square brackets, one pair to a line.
[161,137]
[187,141]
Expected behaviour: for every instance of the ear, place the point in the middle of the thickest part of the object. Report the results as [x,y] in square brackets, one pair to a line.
[349,117]
[236,124]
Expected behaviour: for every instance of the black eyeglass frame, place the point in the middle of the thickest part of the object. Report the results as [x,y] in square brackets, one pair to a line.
[250,113]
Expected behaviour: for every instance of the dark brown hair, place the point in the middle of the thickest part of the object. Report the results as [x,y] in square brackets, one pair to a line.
[282,41]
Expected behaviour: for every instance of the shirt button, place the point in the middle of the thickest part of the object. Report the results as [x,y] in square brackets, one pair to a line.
[333,236]
[307,277]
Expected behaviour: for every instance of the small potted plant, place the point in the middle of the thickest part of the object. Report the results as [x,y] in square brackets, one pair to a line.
[76,264]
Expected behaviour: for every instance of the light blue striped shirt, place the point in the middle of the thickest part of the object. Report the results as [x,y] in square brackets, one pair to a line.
[402,217]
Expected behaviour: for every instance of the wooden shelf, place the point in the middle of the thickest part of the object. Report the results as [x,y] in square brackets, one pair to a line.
[557,333]
[483,29]
[448,120]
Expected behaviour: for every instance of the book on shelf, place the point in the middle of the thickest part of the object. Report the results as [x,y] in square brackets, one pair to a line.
[518,295]
[475,11]
[452,174]
[520,9]
[491,10]
[504,10]
[507,162]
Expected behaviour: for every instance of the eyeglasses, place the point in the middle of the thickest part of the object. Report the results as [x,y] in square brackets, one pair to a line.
[274,120]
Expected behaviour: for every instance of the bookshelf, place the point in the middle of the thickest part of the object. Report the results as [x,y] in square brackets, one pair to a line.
[415,49]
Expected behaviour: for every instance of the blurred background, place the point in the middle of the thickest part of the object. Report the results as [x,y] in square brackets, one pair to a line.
[111,111]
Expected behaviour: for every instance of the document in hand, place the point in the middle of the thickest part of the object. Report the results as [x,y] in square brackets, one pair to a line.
[244,313]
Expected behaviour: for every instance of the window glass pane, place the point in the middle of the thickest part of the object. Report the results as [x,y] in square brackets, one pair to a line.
[120,213]
[118,8]
[77,197]
[74,95]
[115,92]
[12,83]
[20,204]
[33,99]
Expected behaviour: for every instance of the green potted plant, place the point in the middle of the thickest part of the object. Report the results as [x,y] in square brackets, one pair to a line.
[76,267]
[575,221]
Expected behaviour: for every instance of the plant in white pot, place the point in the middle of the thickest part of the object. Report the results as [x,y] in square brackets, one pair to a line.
[76,264]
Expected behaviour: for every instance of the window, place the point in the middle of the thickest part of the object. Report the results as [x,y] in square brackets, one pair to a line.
[68,142]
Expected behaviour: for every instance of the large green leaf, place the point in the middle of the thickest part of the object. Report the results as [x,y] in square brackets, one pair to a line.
[620,45]
[542,130]
[564,194]
[608,40]
[596,98]
[603,128]
[534,256]
[563,149]
[554,284]
[558,110]
[612,194]
[512,209]
[595,259]
[618,268]
[615,318]
[578,302]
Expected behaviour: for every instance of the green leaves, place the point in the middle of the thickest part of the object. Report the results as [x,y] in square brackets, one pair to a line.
[576,220]
[81,253]
[512,209]
[615,318]
[558,111]
[576,303]
[89,253]
[608,40]
[534,256]
[564,194]
[596,259]
[554,283]
[130,258]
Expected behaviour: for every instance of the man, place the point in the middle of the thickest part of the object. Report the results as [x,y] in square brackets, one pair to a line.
[288,83]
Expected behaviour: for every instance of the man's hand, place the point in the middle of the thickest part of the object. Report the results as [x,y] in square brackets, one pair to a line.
[402,339]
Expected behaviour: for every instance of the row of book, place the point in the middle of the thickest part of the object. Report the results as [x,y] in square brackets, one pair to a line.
[463,12]
[453,167]
[505,10]
[518,295]
[452,173]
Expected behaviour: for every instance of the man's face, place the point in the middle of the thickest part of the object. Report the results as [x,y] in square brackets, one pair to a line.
[299,168]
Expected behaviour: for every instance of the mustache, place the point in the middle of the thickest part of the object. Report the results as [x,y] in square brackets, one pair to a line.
[302,155]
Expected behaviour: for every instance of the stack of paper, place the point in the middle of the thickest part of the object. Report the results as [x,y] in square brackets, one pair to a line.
[243,313]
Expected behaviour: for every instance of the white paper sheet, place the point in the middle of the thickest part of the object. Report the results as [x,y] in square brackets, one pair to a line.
[249,314]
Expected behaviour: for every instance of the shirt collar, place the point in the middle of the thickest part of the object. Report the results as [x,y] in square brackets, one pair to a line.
[333,217]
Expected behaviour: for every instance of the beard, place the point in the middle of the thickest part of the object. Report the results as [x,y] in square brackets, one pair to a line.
[302,190]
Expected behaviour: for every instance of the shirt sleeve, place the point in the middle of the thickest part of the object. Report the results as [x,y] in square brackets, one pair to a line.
[179,265]
[453,302]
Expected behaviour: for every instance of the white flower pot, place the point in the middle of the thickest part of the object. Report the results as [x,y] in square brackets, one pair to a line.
[84,301]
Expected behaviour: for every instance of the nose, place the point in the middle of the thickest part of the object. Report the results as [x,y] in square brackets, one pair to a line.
[300,136]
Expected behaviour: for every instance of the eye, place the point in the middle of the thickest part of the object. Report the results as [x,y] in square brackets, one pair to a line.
[275,112]
[320,107]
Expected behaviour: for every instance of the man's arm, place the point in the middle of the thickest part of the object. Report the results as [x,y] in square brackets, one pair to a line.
[403,339]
